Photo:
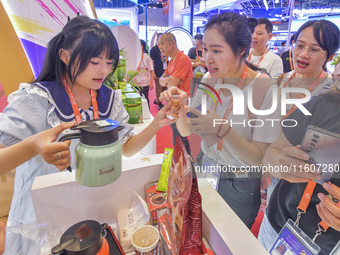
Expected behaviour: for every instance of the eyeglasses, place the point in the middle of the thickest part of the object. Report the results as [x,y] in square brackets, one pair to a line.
[312,51]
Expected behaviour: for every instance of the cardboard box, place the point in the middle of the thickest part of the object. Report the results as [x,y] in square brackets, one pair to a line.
[134,108]
[128,90]
[124,101]
[156,201]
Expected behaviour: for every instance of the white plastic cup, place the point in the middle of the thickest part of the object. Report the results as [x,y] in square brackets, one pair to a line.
[145,240]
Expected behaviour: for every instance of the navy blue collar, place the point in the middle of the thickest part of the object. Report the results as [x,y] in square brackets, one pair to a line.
[105,99]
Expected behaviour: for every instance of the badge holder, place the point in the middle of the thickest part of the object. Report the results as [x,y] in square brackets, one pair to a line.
[165,65]
[292,240]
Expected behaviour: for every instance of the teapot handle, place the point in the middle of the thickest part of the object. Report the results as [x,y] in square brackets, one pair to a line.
[61,246]
[69,137]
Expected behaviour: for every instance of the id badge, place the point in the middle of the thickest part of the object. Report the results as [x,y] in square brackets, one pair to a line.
[165,65]
[293,241]
[210,171]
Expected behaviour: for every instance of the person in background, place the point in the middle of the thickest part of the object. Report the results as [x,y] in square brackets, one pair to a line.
[160,63]
[178,74]
[196,53]
[68,89]
[287,58]
[260,55]
[285,151]
[282,48]
[226,44]
[316,43]
[147,75]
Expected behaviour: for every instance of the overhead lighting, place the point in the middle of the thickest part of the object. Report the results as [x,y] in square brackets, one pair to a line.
[265,4]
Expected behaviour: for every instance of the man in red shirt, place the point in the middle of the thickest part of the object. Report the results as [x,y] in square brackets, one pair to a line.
[178,73]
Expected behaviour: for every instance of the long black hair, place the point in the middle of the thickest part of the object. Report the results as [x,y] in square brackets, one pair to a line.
[326,33]
[143,43]
[85,38]
[236,31]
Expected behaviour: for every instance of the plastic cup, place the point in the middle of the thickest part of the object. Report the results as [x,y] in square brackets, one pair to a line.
[175,100]
[145,240]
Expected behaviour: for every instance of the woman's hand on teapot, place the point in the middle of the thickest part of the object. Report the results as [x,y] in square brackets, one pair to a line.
[328,210]
[55,153]
[204,124]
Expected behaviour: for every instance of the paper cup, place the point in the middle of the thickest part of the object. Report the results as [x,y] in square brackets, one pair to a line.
[145,238]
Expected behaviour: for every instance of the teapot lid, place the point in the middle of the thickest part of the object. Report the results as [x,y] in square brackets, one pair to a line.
[82,238]
[98,131]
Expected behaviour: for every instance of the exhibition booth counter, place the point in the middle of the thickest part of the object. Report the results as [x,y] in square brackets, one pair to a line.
[60,201]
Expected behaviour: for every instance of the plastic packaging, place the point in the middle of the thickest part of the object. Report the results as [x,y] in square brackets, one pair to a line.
[27,239]
[181,227]
[164,175]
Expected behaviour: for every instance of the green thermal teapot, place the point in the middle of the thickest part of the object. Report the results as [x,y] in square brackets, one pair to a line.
[98,153]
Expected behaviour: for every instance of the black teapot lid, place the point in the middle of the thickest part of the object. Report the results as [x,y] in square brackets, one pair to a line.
[98,131]
[82,238]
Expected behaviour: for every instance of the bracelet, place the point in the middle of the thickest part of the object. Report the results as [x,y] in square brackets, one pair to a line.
[224,133]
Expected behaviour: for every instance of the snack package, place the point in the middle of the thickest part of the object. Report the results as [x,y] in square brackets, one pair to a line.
[134,107]
[164,176]
[156,200]
[184,213]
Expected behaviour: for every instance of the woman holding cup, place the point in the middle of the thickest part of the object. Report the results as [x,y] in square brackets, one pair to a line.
[226,45]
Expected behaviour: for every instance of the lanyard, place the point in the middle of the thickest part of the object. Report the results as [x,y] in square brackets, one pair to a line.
[303,205]
[249,58]
[75,106]
[310,88]
[230,105]
[138,68]
[164,58]
[197,56]
[290,60]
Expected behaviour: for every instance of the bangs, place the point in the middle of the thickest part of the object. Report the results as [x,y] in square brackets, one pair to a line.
[92,44]
[317,32]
